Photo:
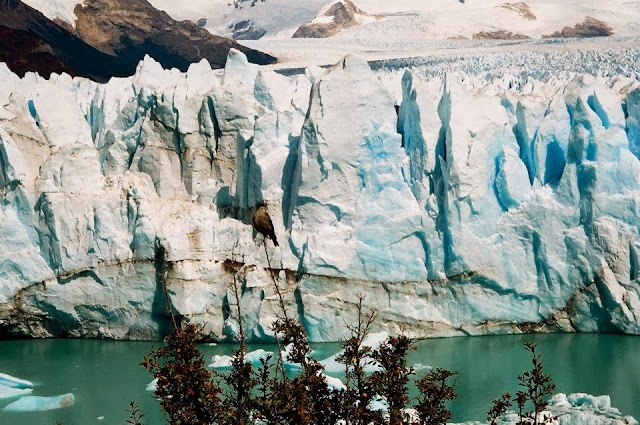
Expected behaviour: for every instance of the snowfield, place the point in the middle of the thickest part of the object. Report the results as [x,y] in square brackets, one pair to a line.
[414,19]
[401,20]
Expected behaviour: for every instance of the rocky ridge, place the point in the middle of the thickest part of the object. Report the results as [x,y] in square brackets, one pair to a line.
[340,16]
[590,27]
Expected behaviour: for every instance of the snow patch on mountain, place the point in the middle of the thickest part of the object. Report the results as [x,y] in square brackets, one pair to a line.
[57,9]
[223,18]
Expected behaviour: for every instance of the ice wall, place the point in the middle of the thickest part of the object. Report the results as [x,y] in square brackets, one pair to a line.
[468,207]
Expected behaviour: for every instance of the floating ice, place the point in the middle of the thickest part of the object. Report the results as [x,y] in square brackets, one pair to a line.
[13,382]
[253,357]
[579,409]
[334,383]
[10,392]
[40,404]
[152,386]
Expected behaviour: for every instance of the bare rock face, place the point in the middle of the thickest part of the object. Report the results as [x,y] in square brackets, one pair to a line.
[591,27]
[134,28]
[341,15]
[499,35]
[523,9]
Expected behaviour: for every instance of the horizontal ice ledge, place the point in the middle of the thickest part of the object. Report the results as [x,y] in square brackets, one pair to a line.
[458,206]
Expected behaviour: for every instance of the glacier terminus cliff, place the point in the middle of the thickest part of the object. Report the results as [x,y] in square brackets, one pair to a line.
[455,204]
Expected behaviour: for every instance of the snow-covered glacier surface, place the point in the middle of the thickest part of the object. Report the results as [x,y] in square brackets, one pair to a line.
[455,205]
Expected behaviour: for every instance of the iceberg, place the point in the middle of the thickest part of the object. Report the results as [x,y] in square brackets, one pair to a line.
[40,404]
[13,382]
[254,358]
[459,205]
[577,409]
[152,386]
[334,383]
[7,392]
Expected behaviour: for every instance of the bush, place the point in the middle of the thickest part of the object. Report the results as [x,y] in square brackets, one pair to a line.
[435,391]
[191,395]
[187,393]
[537,387]
[357,357]
[391,381]
[135,417]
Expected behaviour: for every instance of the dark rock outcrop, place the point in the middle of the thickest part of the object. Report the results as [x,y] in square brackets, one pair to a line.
[344,16]
[591,27]
[499,35]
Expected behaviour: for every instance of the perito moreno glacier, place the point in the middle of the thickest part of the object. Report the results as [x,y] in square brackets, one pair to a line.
[455,205]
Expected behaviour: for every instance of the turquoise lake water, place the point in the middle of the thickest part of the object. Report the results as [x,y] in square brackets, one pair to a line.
[105,375]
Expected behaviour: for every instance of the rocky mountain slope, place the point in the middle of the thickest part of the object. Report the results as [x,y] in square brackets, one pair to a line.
[110,37]
[31,42]
[133,28]
[469,207]
[340,16]
[411,19]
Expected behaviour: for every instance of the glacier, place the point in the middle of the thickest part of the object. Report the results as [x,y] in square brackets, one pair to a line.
[456,205]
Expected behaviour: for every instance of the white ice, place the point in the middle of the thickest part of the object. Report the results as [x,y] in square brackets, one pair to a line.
[7,392]
[253,357]
[13,382]
[40,404]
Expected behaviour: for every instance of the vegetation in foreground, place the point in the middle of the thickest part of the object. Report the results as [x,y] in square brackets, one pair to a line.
[291,388]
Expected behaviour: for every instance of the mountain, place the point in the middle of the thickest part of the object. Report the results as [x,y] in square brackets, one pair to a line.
[340,16]
[110,39]
[469,205]
[132,28]
[31,42]
[247,19]
[410,19]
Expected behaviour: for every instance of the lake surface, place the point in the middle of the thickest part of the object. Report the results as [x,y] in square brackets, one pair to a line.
[105,375]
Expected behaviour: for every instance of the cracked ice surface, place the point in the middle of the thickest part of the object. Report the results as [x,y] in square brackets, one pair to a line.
[456,203]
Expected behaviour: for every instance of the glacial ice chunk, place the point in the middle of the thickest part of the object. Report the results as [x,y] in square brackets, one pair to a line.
[334,383]
[579,409]
[10,392]
[152,386]
[253,358]
[40,404]
[13,382]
